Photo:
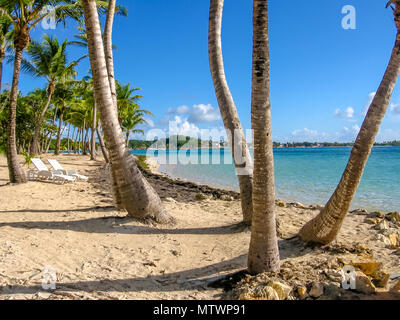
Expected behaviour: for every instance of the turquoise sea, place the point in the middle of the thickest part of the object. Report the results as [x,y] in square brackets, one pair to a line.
[307,175]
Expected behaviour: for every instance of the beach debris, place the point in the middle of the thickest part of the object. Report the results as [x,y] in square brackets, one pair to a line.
[302,292]
[364,283]
[317,290]
[299,205]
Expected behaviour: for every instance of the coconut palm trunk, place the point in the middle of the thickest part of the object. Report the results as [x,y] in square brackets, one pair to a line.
[58,142]
[35,146]
[93,139]
[16,173]
[102,145]
[236,137]
[325,227]
[138,197]
[264,252]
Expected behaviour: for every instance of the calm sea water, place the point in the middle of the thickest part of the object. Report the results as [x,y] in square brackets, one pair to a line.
[307,175]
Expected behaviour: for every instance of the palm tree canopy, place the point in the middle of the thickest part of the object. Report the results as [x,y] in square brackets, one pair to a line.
[49,59]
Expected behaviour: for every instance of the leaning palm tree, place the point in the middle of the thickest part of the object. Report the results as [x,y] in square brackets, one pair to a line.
[138,197]
[325,227]
[236,137]
[25,15]
[264,252]
[49,60]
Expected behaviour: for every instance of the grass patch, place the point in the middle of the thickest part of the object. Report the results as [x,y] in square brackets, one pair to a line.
[142,163]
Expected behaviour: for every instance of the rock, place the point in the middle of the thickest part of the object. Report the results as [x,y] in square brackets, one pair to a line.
[302,292]
[171,200]
[396,287]
[393,216]
[383,225]
[359,211]
[372,220]
[299,205]
[364,284]
[334,275]
[263,292]
[317,290]
[226,197]
[394,240]
[332,291]
[281,203]
[200,196]
[376,214]
[44,295]
[368,268]
[380,279]
[281,289]
[384,239]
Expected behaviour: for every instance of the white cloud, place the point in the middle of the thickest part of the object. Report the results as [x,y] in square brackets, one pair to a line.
[395,108]
[183,127]
[348,113]
[199,113]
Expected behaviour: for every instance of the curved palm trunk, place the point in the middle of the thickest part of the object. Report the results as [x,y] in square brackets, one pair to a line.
[35,147]
[264,252]
[58,142]
[326,226]
[111,78]
[93,140]
[102,145]
[236,137]
[138,197]
[16,173]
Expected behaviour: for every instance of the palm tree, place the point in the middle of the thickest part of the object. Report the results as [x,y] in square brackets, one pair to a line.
[325,227]
[138,197]
[264,252]
[24,16]
[49,60]
[228,110]
[130,114]
[63,97]
[5,41]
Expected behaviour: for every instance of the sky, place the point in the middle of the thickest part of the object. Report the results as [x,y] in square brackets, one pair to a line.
[323,76]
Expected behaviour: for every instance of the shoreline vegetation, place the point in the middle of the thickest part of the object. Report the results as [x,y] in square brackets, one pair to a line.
[186,142]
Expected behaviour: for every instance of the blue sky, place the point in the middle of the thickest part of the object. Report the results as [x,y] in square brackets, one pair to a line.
[322,76]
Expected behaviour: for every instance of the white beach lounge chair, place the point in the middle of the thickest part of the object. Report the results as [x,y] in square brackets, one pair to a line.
[41,172]
[71,173]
